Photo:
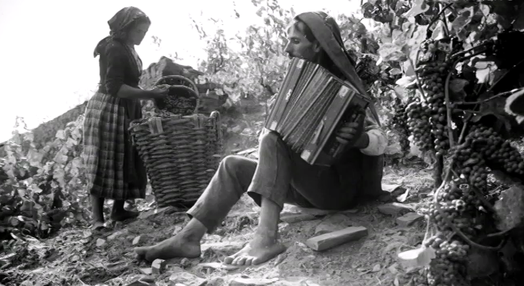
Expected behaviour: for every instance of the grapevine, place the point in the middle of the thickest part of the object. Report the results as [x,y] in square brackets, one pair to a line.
[456,208]
[454,117]
[42,188]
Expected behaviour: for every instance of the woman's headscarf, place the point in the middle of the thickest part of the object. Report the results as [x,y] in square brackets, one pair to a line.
[327,32]
[118,25]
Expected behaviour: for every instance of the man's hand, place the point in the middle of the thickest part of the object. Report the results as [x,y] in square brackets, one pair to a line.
[350,133]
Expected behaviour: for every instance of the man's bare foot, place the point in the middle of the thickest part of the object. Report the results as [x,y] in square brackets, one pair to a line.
[258,251]
[176,246]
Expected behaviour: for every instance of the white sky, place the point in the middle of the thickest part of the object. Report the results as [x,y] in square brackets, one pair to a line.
[46,46]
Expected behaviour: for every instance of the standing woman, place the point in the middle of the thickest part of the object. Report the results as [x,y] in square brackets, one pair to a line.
[114,169]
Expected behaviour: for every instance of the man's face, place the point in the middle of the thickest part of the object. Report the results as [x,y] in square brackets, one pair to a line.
[298,45]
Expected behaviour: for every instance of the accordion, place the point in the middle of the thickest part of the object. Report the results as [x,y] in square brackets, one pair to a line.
[309,107]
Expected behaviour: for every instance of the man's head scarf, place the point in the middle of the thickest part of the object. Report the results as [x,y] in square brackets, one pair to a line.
[327,32]
[118,25]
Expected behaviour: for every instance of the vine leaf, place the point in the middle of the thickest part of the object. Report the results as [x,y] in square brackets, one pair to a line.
[510,208]
[462,20]
[504,178]
[457,85]
[439,32]
[495,108]
[407,81]
[419,7]
[390,52]
[515,105]
[419,35]
[519,21]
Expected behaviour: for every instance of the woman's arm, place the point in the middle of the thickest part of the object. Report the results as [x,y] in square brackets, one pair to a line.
[114,80]
[126,91]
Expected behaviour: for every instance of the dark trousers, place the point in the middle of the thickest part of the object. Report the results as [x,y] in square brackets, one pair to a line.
[280,175]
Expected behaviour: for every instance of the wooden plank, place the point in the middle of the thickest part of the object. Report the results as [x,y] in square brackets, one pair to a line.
[336,238]
[409,219]
[292,218]
[394,209]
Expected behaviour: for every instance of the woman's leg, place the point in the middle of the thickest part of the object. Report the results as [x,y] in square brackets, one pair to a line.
[119,213]
[97,207]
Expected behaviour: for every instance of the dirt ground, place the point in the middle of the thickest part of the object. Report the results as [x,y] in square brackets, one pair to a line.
[77,257]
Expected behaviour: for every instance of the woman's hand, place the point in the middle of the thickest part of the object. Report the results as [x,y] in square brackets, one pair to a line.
[160,91]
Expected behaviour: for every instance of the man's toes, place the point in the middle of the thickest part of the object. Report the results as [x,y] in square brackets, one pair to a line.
[140,253]
[255,261]
[250,260]
[228,260]
[240,260]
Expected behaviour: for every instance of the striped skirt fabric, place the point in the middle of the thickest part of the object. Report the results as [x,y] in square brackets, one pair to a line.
[114,170]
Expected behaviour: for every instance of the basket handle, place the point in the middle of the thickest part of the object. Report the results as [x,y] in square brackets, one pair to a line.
[183,78]
[215,115]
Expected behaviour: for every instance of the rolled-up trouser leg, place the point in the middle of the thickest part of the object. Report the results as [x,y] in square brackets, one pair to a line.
[272,177]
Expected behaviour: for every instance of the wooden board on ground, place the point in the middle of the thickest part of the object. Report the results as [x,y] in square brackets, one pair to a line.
[336,238]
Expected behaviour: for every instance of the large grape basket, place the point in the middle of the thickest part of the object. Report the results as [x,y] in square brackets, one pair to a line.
[182,151]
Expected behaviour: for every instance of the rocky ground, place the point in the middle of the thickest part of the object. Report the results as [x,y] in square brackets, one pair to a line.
[78,257]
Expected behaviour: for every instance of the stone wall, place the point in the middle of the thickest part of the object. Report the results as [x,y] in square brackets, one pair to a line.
[46,131]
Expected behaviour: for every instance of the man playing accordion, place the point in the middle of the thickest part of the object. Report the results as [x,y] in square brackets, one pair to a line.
[280,175]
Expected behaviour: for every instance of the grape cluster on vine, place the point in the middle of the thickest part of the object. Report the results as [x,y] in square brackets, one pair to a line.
[400,123]
[483,150]
[419,125]
[448,267]
[451,207]
[367,70]
[455,208]
[432,73]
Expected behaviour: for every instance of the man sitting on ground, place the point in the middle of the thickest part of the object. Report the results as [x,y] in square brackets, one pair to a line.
[280,175]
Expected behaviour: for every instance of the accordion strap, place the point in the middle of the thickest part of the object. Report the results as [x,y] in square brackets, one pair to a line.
[336,52]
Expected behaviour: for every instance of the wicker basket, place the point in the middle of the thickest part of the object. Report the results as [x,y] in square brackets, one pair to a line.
[181,154]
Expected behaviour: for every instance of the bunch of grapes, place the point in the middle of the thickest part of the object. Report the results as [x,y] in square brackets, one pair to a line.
[448,267]
[484,150]
[456,205]
[400,123]
[432,72]
[504,157]
[367,70]
[418,115]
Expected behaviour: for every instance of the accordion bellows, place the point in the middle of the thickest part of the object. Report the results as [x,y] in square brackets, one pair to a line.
[310,105]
